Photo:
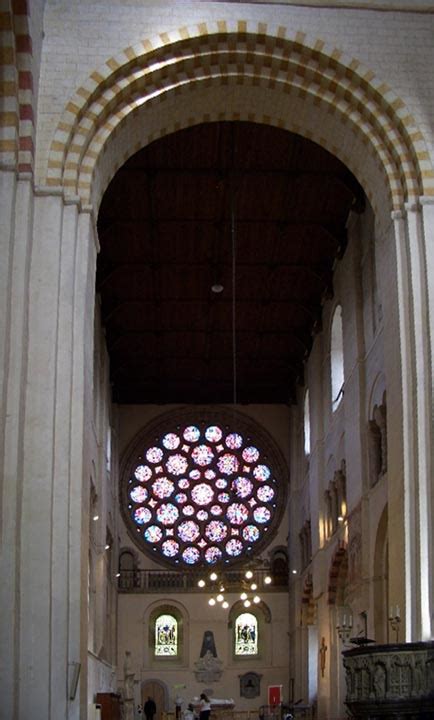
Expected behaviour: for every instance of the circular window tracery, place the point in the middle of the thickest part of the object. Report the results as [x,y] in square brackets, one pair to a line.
[202,494]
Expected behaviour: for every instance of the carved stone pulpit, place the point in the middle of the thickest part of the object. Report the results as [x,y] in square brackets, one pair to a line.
[390,681]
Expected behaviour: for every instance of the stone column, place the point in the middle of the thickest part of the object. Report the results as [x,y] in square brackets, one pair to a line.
[16,209]
[8,190]
[427,209]
[401,498]
[81,453]
[48,387]
[415,322]
[36,642]
[423,391]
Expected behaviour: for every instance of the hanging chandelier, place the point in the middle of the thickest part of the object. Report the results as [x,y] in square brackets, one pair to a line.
[246,585]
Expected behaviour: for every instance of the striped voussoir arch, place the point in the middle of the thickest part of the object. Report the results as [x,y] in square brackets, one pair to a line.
[265,57]
[16,87]
[338,565]
[185,108]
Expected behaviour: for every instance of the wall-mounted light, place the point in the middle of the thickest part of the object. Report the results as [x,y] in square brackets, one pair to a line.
[395,621]
[345,626]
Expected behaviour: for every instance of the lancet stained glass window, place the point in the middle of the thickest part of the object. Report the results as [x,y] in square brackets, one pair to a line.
[200,494]
[166,636]
[246,635]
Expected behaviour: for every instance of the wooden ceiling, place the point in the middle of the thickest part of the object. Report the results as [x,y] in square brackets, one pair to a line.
[239,204]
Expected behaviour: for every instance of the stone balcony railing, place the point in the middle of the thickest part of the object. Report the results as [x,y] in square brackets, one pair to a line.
[390,681]
[174,581]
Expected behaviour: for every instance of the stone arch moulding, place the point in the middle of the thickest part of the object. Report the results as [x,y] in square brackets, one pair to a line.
[148,687]
[182,616]
[353,108]
[165,605]
[259,610]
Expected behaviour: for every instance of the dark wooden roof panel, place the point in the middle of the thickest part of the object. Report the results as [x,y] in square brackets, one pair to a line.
[171,223]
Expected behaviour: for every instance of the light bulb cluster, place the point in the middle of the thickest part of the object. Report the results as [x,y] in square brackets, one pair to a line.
[248,596]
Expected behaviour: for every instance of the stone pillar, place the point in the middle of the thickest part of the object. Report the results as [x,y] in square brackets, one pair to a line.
[427,209]
[43,625]
[81,446]
[423,401]
[39,484]
[8,190]
[16,208]
[415,321]
[402,540]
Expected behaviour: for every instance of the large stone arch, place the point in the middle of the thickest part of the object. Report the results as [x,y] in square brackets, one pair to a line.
[239,70]
[356,115]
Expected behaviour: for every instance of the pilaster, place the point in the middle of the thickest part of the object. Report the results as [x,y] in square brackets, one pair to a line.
[401,498]
[413,278]
[16,230]
[81,449]
[48,348]
[423,401]
[427,209]
[63,470]
[39,481]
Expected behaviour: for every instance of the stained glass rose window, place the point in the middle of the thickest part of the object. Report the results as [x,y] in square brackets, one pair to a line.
[201,493]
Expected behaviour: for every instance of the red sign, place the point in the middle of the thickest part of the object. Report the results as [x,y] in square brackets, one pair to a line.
[274,695]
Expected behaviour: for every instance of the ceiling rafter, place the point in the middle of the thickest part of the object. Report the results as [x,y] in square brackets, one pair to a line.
[165,230]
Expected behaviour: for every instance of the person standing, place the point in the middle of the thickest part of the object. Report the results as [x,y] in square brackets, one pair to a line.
[189,713]
[204,707]
[150,708]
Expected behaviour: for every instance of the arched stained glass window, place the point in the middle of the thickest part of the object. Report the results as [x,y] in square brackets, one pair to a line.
[166,636]
[203,491]
[246,634]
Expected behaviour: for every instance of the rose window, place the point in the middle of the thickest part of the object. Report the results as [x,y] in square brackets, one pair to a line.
[202,494]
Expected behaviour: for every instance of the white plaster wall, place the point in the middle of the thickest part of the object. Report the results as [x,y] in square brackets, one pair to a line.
[199,617]
[367,303]
[102,474]
[133,609]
